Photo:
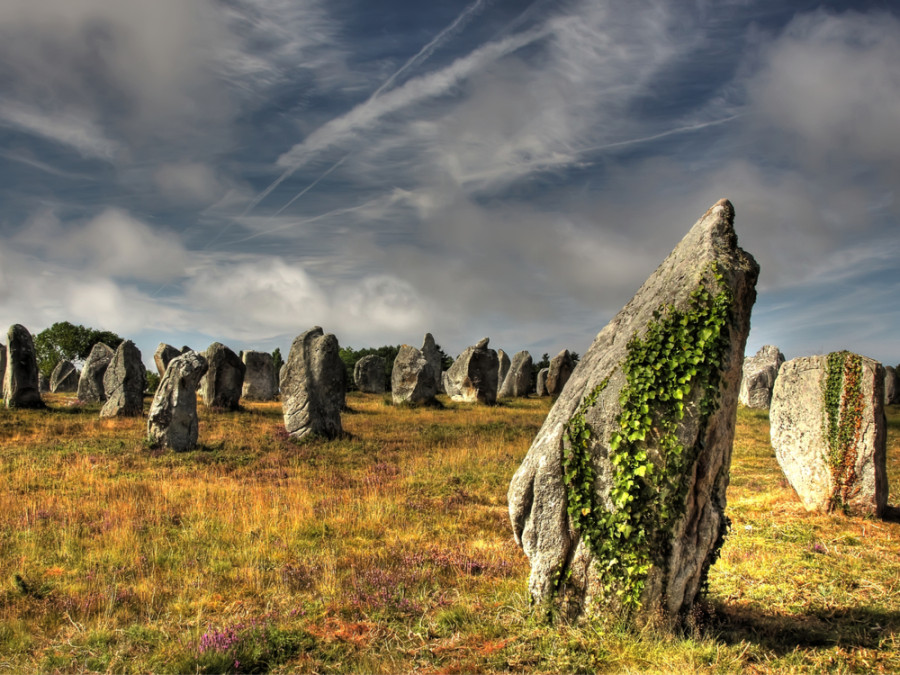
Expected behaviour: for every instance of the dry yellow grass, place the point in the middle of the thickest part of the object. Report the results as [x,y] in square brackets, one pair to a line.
[389,550]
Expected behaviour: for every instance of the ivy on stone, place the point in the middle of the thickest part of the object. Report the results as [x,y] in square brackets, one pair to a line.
[844,405]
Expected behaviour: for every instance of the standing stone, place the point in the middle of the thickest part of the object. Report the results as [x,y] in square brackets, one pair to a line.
[259,376]
[172,422]
[541,385]
[758,377]
[502,370]
[223,382]
[123,383]
[312,390]
[163,354]
[43,384]
[2,367]
[473,376]
[518,381]
[624,520]
[21,388]
[412,378]
[64,378]
[433,356]
[368,374]
[829,432]
[891,386]
[561,367]
[90,384]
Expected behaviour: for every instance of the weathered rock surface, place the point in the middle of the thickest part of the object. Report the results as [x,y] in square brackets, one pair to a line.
[828,475]
[541,384]
[172,422]
[552,512]
[561,367]
[503,364]
[518,380]
[260,382]
[223,382]
[758,377]
[64,378]
[163,355]
[473,376]
[21,388]
[43,383]
[412,378]
[90,384]
[433,356]
[312,389]
[891,386]
[368,374]
[124,383]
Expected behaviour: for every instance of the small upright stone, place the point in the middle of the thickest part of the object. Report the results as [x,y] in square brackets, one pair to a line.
[172,422]
[502,370]
[541,385]
[758,377]
[473,376]
[163,354]
[828,431]
[891,386]
[518,382]
[312,389]
[90,384]
[223,382]
[64,378]
[561,367]
[368,374]
[2,367]
[259,376]
[21,388]
[43,383]
[412,378]
[123,383]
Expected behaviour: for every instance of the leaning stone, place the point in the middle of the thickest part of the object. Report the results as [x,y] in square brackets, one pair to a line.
[561,367]
[163,354]
[312,390]
[21,388]
[518,382]
[541,384]
[64,378]
[759,373]
[473,376]
[90,384]
[223,382]
[502,369]
[623,528]
[891,386]
[368,374]
[123,383]
[172,422]
[827,427]
[259,376]
[412,378]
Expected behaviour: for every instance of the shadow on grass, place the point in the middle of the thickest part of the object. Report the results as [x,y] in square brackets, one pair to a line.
[856,627]
[891,514]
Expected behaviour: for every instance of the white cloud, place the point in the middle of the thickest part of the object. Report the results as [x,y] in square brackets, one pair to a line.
[70,129]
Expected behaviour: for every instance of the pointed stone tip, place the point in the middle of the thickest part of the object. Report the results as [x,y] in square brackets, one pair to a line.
[724,208]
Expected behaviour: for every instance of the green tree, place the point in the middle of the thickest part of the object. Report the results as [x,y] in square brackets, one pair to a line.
[67,341]
[277,360]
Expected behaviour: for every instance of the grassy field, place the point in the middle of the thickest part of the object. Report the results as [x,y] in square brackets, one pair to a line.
[388,551]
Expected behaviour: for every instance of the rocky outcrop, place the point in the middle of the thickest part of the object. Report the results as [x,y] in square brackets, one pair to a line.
[561,367]
[260,382]
[828,430]
[473,376]
[163,355]
[221,386]
[124,383]
[541,384]
[518,380]
[412,378]
[21,388]
[758,377]
[369,373]
[312,389]
[503,364]
[891,386]
[90,384]
[619,503]
[172,422]
[64,378]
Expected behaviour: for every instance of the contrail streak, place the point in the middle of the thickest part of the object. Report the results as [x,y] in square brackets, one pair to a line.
[312,185]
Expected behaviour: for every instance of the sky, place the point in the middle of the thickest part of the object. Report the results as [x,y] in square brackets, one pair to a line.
[243,170]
